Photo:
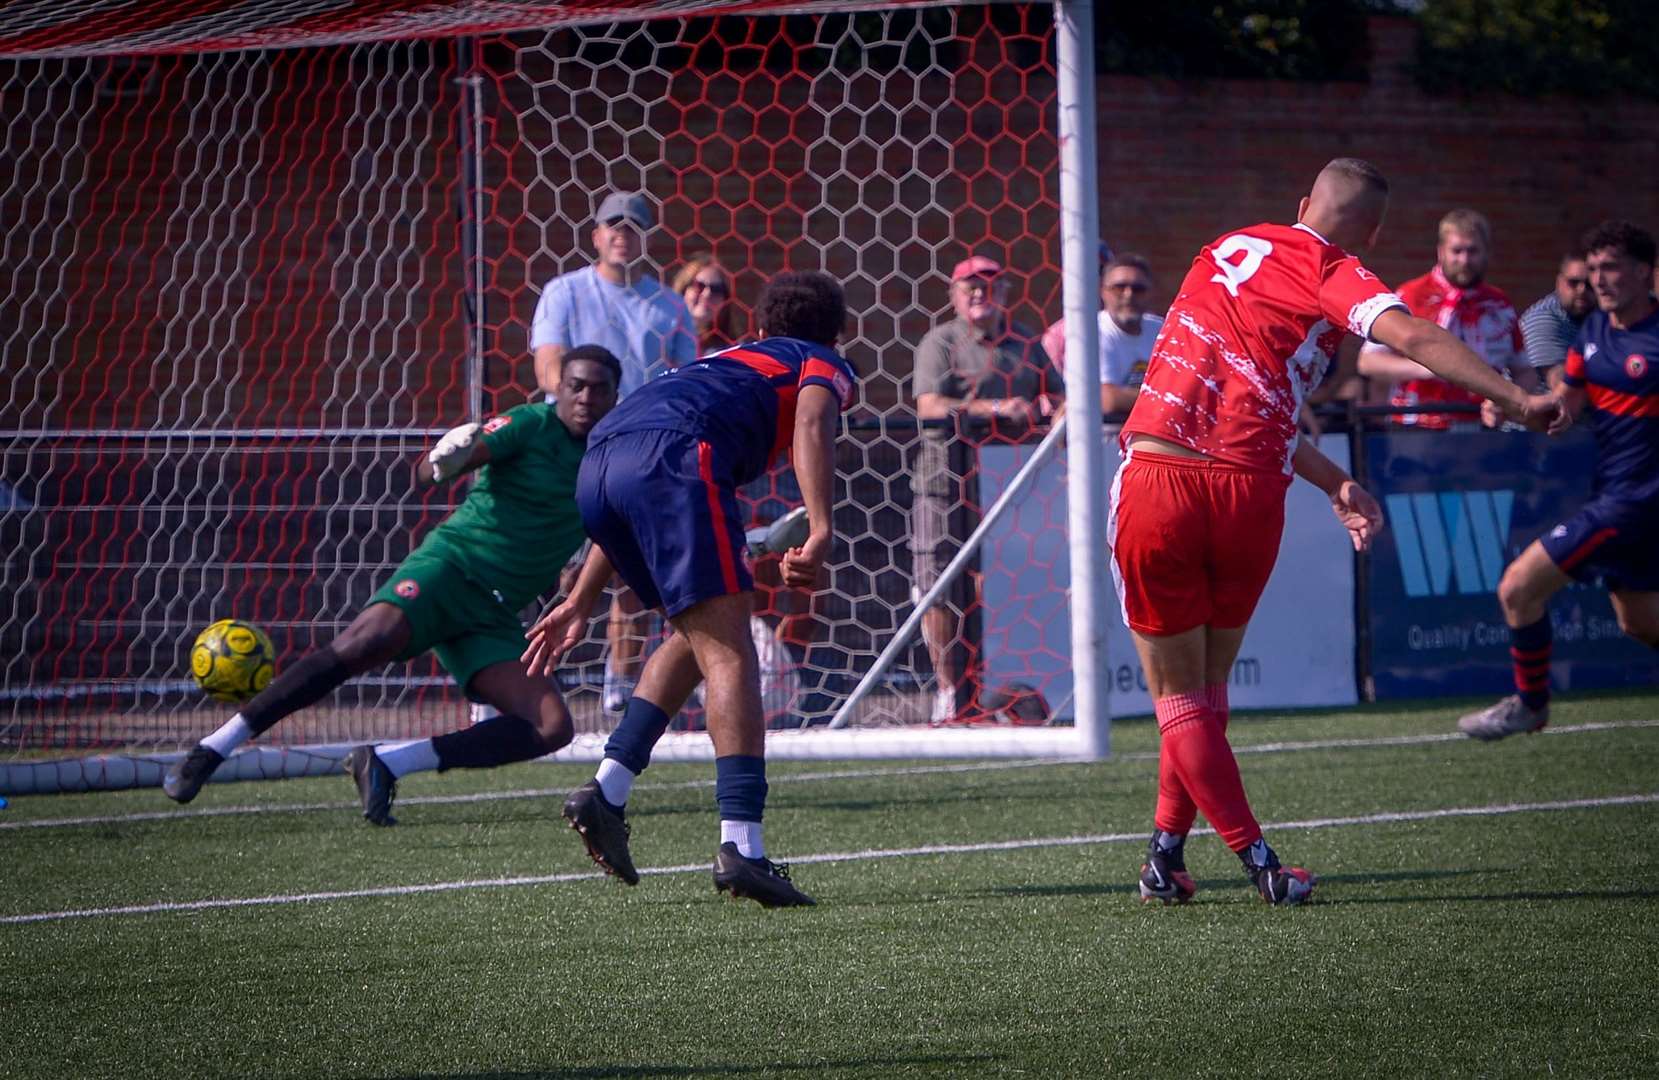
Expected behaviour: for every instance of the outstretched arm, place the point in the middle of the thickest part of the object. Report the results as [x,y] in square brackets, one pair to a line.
[1384,363]
[817,417]
[1449,358]
[459,452]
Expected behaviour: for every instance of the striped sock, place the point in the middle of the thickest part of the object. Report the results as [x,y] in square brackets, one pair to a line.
[1529,648]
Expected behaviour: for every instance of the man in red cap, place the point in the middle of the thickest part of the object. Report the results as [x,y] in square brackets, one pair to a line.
[991,379]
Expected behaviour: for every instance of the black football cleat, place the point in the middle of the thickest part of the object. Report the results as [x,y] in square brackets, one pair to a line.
[376,786]
[603,829]
[1164,875]
[761,880]
[1281,886]
[187,775]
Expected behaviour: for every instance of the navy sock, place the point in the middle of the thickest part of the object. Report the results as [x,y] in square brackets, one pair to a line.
[500,740]
[740,787]
[636,736]
[1529,648]
[301,683]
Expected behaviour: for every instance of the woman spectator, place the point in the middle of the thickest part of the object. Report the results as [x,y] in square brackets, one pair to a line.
[706,288]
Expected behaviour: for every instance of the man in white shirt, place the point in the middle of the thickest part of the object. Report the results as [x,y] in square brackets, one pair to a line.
[1127,330]
[619,304]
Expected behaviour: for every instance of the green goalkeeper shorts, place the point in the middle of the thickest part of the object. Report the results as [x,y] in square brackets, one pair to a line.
[465,624]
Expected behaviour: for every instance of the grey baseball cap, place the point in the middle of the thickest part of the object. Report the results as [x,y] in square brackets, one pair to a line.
[629,206]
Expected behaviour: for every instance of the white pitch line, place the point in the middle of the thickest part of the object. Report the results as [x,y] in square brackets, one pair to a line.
[1383,818]
[788,778]
[519,793]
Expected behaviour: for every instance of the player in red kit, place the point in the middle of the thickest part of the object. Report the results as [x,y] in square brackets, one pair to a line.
[1210,449]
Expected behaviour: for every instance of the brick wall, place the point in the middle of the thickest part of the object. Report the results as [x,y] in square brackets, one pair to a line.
[1181,163]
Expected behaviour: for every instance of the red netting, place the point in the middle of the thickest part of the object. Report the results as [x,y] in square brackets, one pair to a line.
[243,289]
[123,27]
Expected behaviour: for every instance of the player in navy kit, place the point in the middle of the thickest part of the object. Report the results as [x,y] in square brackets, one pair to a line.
[1612,377]
[658,495]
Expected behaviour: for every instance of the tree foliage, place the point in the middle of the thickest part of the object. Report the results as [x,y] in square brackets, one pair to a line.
[1536,47]
[1313,40]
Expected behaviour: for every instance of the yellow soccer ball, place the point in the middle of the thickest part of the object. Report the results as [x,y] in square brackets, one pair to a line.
[232,660]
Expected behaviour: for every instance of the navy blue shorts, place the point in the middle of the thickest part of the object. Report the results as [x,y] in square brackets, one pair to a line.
[1611,540]
[663,506]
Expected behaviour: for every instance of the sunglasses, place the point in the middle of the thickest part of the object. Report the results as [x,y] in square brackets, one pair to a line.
[715,288]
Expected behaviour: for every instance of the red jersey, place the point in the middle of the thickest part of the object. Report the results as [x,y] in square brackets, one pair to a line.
[1481,317]
[1255,326]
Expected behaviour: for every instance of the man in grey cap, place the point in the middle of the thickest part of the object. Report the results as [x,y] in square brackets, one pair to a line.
[615,303]
[619,304]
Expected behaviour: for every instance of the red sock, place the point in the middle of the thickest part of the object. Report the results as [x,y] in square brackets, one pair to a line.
[1176,810]
[1194,742]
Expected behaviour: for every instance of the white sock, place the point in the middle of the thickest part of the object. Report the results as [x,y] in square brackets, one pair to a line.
[616,781]
[234,733]
[407,757]
[746,835]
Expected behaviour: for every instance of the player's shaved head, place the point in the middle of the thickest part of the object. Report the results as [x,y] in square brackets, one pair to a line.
[1347,203]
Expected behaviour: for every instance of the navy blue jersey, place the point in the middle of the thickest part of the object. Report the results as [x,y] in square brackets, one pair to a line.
[1619,373]
[740,400]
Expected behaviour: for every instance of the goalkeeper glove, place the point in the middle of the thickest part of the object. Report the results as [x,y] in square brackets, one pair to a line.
[449,458]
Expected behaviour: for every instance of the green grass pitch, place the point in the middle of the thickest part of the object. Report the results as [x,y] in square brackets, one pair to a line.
[1519,938]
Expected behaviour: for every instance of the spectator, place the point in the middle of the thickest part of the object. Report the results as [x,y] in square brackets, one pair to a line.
[706,289]
[1549,326]
[986,375]
[1127,330]
[1054,338]
[618,304]
[1455,296]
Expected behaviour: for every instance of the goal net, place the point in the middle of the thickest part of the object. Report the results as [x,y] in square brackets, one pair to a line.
[254,264]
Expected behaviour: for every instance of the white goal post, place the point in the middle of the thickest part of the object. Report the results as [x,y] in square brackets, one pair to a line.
[258,263]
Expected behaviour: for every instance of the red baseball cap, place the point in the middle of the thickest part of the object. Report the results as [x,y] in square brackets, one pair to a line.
[976,266]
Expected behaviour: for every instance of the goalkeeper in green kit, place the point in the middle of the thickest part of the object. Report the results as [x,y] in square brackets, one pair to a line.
[458,595]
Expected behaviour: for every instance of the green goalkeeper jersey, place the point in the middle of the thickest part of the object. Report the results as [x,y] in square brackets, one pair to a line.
[518,525]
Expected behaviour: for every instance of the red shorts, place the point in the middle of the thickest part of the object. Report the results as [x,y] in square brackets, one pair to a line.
[1193,541]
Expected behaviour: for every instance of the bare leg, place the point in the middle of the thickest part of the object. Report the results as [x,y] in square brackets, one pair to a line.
[1176,664]
[515,692]
[1221,647]
[717,632]
[941,629]
[625,632]
[670,675]
[1527,585]
[1638,614]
